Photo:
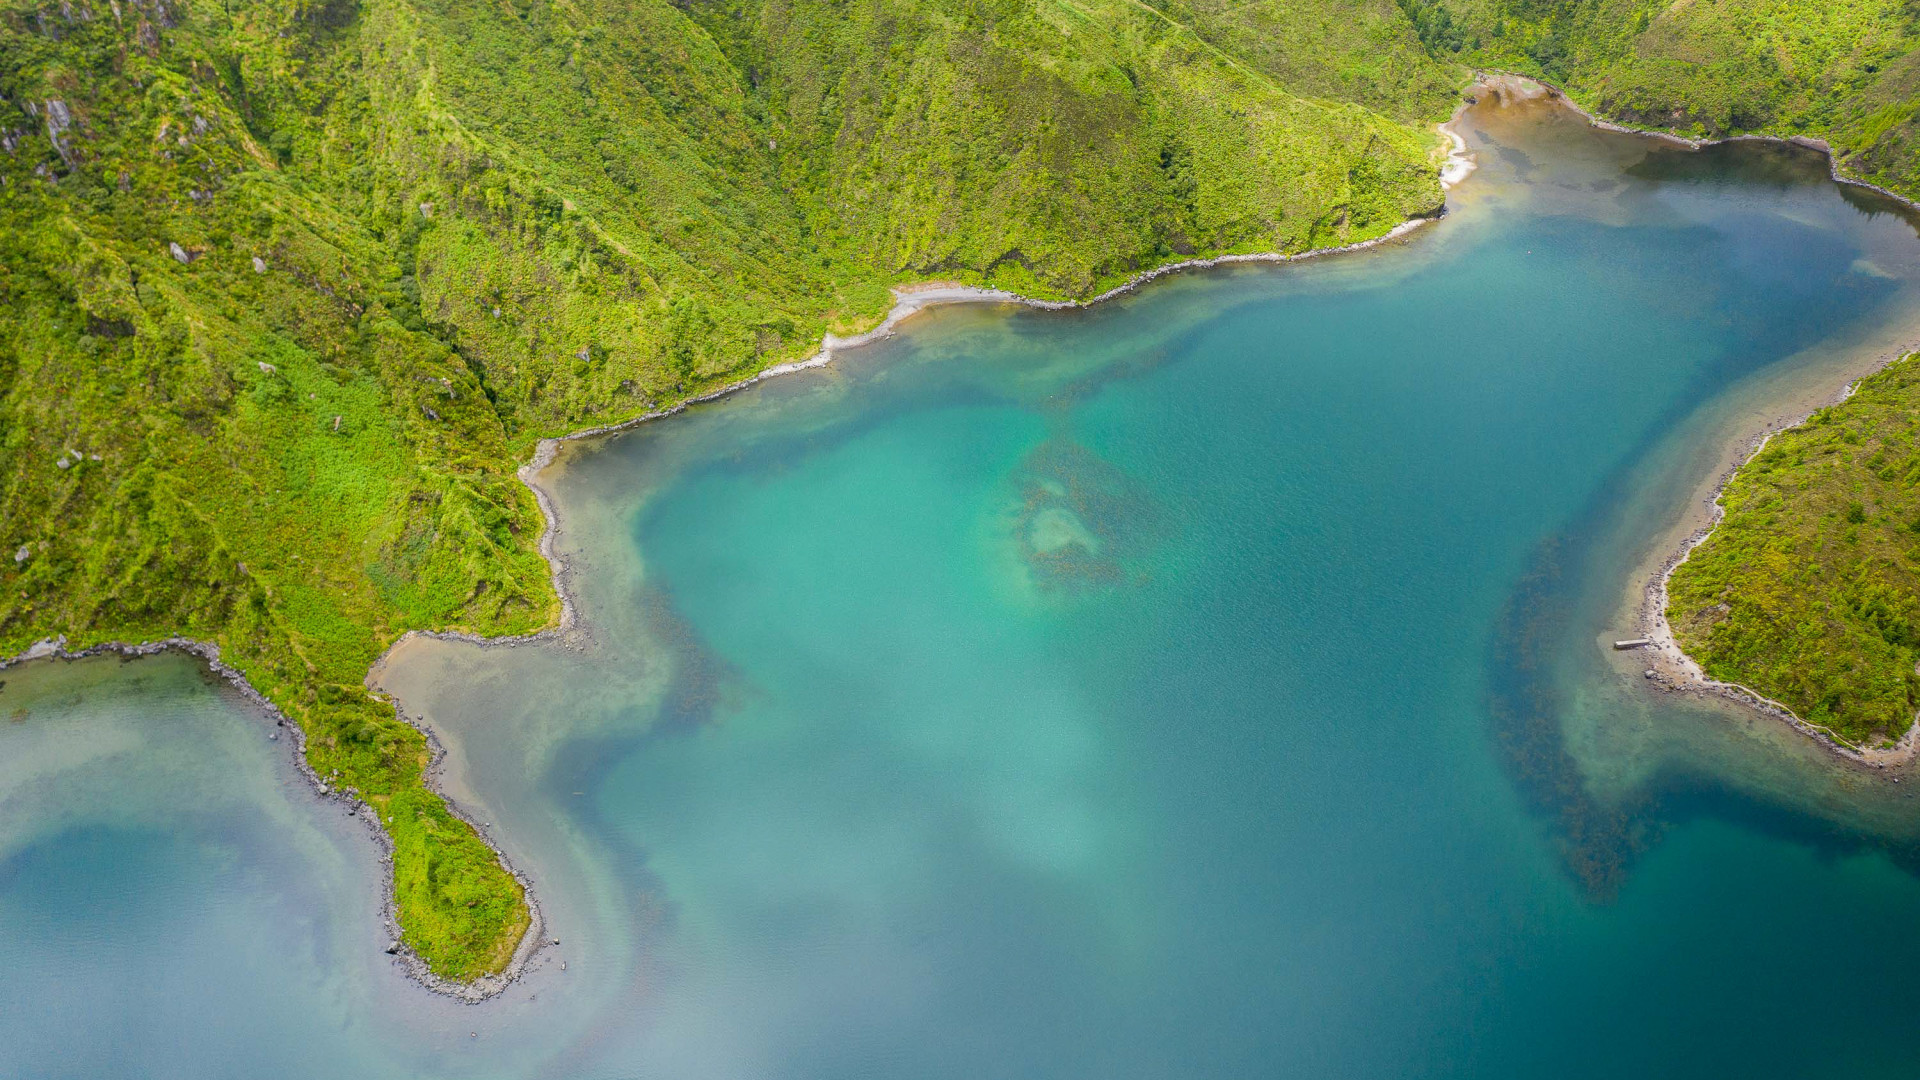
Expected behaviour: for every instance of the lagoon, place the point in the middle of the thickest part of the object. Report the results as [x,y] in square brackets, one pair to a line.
[1210,683]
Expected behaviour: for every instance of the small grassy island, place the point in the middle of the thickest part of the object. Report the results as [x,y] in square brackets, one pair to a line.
[294,286]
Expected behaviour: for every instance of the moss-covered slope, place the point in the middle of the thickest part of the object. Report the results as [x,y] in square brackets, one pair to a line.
[294,284]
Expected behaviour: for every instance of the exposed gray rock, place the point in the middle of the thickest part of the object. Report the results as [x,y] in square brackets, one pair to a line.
[259,265]
[59,120]
[179,253]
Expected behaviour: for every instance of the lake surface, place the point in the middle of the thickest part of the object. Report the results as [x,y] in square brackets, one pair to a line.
[1209,684]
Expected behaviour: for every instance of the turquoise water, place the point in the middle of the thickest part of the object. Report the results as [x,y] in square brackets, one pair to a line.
[1209,684]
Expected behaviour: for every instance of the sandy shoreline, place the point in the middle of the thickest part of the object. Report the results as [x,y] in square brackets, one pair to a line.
[909,300]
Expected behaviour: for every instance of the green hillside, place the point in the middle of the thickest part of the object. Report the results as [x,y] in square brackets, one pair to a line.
[296,285]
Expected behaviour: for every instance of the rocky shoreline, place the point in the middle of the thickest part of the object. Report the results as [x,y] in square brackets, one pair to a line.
[208,653]
[910,300]
[1671,669]
[1668,666]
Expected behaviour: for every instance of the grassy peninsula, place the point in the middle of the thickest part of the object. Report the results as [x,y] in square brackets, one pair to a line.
[295,285]
[1809,588]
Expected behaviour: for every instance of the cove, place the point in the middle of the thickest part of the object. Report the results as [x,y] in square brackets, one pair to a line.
[1209,683]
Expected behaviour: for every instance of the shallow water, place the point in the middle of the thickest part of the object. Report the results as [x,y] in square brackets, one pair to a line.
[1209,684]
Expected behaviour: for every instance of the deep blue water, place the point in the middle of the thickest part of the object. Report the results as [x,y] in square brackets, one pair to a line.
[1210,684]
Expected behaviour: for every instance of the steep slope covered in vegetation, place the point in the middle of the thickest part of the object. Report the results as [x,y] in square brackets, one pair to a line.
[295,284]
[1360,51]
